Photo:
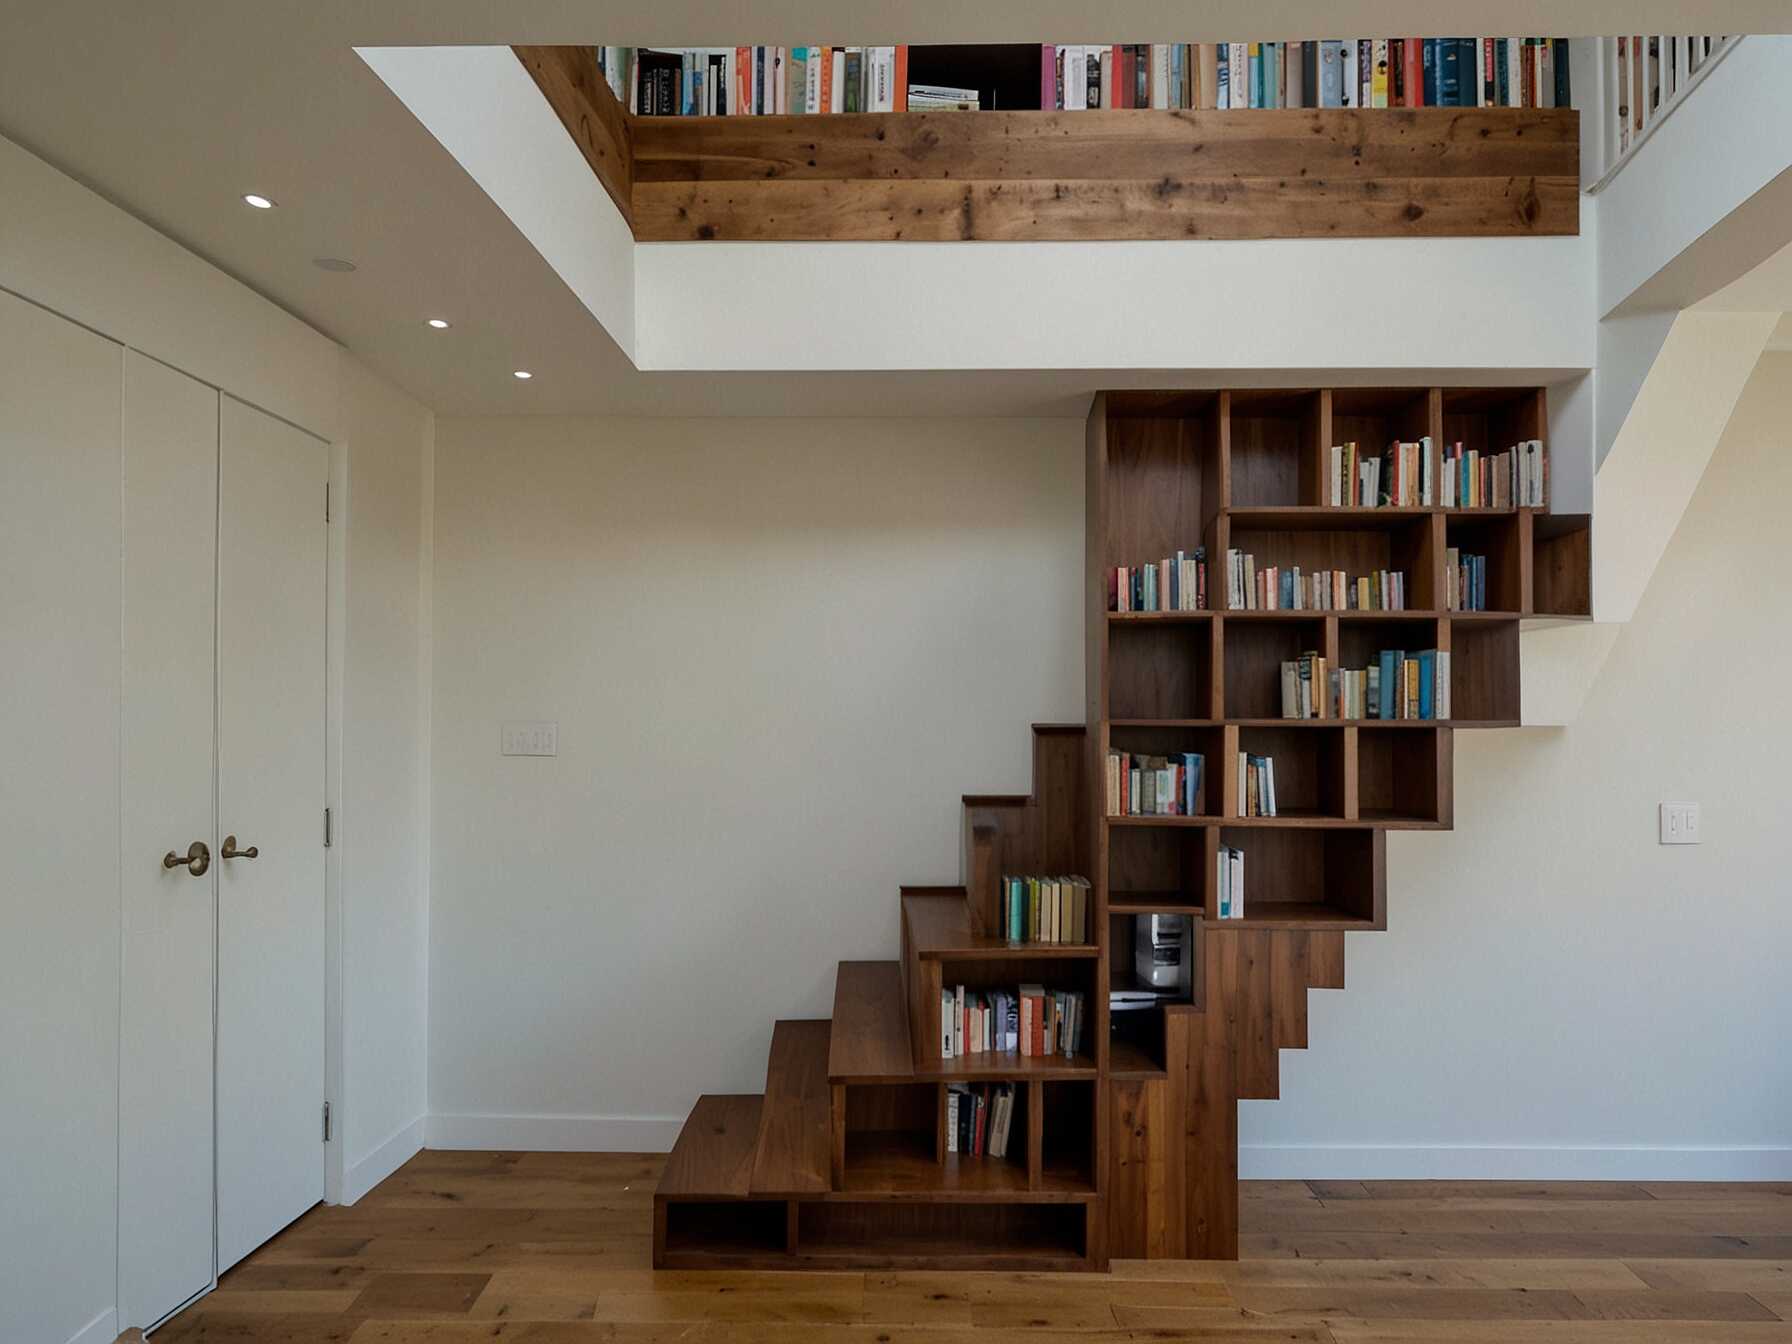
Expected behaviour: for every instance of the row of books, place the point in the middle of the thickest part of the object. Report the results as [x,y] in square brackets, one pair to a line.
[1465,581]
[1256,785]
[761,81]
[1404,476]
[979,1119]
[1175,583]
[1228,886]
[1047,909]
[1154,786]
[1518,477]
[1032,1022]
[1350,72]
[1274,588]
[1419,685]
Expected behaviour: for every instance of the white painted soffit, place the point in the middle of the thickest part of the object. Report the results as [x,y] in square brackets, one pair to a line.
[1388,305]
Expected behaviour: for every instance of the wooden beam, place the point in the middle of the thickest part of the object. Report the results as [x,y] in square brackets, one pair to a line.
[1112,146]
[1053,176]
[575,88]
[1069,211]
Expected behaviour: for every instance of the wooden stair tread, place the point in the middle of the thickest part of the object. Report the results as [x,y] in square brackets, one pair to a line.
[939,926]
[869,1042]
[793,1145]
[713,1158]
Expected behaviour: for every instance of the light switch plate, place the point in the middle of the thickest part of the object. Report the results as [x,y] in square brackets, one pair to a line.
[540,738]
[1679,823]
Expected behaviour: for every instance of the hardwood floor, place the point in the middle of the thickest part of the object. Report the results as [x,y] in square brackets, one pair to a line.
[552,1248]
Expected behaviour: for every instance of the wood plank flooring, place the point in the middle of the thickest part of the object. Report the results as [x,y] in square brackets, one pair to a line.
[553,1248]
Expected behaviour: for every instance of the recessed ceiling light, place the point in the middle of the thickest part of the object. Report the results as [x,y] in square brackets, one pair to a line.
[259,202]
[522,373]
[439,323]
[338,264]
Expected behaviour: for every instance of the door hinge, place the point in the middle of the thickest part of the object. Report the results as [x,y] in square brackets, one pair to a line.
[326,1122]
[326,828]
[326,501]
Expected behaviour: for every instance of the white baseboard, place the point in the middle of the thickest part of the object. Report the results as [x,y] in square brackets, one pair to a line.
[1266,1162]
[102,1329]
[383,1161]
[554,1133]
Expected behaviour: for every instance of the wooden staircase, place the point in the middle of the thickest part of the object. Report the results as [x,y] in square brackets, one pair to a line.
[841,1160]
[1130,1149]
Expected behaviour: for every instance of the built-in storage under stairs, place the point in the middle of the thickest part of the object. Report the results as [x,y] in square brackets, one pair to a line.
[1130,1147]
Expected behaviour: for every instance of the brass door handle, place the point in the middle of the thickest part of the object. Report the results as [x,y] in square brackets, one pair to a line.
[230,851]
[198,858]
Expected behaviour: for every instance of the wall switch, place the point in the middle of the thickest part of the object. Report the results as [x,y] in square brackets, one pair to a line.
[530,739]
[1679,823]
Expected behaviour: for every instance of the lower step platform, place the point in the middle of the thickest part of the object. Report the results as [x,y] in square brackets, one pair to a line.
[842,1232]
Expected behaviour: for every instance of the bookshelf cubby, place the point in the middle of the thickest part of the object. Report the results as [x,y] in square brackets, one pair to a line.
[1310,771]
[1504,539]
[1255,652]
[1129,1147]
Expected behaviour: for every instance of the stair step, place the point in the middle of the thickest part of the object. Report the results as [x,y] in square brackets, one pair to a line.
[939,927]
[794,1146]
[869,1042]
[713,1158]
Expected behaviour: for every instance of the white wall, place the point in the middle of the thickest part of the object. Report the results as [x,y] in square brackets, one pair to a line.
[778,652]
[384,786]
[1556,995]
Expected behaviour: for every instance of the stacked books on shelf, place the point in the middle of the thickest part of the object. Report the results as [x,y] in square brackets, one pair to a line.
[1031,1022]
[1228,883]
[942,98]
[1368,72]
[1465,581]
[757,81]
[1175,583]
[1304,682]
[1256,785]
[1402,477]
[1515,478]
[1362,72]
[1153,786]
[1274,588]
[1418,686]
[979,1119]
[1047,909]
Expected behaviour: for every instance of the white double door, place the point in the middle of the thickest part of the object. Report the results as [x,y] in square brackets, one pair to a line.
[221,1074]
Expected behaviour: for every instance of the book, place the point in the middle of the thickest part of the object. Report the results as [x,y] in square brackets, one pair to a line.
[1465,581]
[1229,882]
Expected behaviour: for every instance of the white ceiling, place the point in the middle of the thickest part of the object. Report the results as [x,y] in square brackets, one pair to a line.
[172,110]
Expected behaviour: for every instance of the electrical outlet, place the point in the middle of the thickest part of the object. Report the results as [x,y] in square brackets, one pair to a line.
[530,739]
[1679,823]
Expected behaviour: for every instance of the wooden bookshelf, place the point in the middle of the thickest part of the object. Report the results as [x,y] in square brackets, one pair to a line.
[1129,1149]
[1079,176]
[1247,469]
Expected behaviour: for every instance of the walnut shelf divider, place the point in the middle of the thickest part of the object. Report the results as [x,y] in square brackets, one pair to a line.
[1130,1149]
[1037,176]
